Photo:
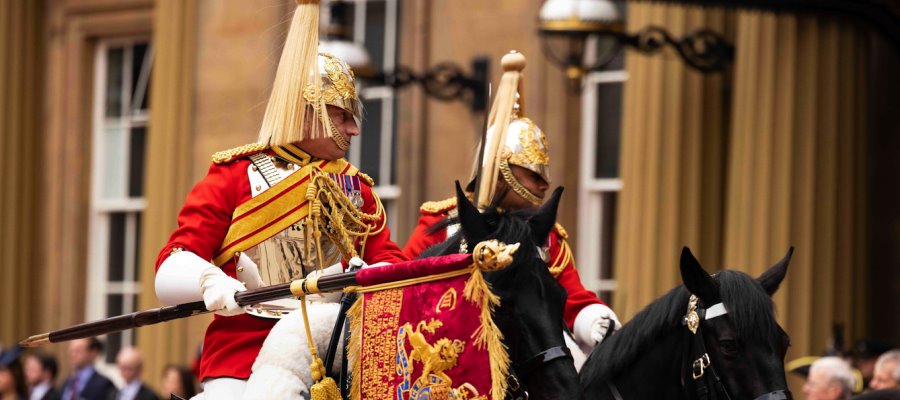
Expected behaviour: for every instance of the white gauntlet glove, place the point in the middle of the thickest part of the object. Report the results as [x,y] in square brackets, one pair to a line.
[602,323]
[218,292]
[184,277]
[592,324]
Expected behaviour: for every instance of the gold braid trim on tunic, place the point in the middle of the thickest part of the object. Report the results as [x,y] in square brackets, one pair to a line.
[229,155]
[438,207]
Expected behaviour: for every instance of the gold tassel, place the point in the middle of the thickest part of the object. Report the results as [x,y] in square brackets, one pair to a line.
[490,255]
[324,387]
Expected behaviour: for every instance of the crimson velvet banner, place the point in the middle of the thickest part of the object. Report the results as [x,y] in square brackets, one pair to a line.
[424,330]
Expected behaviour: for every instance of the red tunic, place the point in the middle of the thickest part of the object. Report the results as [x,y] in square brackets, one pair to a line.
[231,344]
[578,298]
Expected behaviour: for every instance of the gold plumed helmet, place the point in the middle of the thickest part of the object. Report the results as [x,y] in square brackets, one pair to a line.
[511,138]
[307,81]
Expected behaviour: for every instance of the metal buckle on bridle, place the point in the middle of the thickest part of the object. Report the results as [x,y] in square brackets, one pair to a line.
[514,387]
[700,365]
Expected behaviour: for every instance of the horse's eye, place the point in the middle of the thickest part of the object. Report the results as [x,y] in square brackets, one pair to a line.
[728,346]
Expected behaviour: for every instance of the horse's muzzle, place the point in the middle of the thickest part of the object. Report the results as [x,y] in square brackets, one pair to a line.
[776,395]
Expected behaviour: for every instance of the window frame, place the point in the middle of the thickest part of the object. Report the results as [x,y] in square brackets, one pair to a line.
[101,209]
[386,188]
[591,246]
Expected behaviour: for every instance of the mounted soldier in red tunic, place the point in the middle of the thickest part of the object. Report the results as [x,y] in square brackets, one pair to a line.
[516,172]
[275,210]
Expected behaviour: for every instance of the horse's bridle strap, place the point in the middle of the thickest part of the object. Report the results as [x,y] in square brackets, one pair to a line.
[533,363]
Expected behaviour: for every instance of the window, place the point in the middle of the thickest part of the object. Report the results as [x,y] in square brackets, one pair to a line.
[121,83]
[601,101]
[375,24]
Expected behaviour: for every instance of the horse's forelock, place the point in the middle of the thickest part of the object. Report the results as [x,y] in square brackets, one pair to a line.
[749,307]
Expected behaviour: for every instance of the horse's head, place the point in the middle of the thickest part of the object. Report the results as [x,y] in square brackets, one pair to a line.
[531,300]
[736,328]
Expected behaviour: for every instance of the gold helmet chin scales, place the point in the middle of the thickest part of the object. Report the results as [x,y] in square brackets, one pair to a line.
[337,88]
[526,146]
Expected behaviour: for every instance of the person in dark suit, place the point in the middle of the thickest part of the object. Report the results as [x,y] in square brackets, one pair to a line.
[40,374]
[884,394]
[86,383]
[12,379]
[130,366]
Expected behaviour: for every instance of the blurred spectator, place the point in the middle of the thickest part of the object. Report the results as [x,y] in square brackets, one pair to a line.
[829,378]
[40,375]
[864,355]
[178,381]
[130,366]
[887,371]
[887,394]
[85,382]
[12,378]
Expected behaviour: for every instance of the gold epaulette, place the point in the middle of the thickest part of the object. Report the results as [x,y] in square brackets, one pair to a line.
[438,207]
[366,178]
[562,231]
[229,155]
[564,257]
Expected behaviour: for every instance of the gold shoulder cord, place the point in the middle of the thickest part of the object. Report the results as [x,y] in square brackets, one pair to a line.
[342,221]
[562,259]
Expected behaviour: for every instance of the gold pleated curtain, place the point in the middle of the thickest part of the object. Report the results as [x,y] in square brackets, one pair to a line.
[741,177]
[169,177]
[673,144]
[21,73]
[797,169]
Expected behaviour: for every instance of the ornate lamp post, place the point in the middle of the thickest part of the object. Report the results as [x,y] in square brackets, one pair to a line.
[571,28]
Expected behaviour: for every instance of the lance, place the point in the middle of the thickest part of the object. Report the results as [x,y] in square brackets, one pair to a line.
[297,288]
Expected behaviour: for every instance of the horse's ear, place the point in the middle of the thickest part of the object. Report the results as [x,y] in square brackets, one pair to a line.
[696,280]
[771,279]
[473,224]
[544,219]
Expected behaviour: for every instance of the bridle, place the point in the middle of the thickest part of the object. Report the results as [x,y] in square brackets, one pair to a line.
[698,366]
[515,389]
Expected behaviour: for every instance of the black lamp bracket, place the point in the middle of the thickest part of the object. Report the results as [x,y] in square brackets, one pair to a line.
[704,49]
[445,81]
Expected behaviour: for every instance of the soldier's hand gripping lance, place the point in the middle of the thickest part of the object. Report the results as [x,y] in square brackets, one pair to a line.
[297,288]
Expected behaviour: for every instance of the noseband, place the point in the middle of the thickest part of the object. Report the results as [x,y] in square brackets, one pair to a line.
[702,371]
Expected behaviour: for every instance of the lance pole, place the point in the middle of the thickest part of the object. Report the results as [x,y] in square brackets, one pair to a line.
[320,284]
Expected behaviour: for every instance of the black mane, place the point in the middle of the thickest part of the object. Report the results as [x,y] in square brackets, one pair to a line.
[508,227]
[749,308]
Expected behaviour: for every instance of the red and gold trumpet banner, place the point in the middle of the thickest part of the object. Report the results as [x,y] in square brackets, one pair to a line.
[424,330]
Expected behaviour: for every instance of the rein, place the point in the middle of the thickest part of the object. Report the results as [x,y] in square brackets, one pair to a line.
[707,381]
[515,389]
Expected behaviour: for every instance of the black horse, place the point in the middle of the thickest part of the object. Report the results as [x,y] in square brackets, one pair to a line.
[727,345]
[531,301]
